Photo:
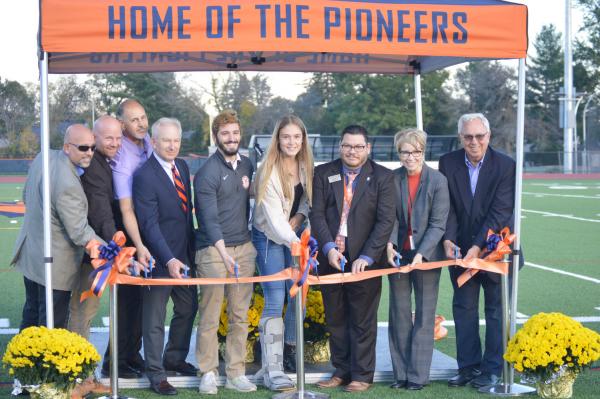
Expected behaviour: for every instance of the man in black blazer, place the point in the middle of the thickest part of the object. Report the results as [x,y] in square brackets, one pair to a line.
[481,182]
[163,206]
[352,218]
[97,184]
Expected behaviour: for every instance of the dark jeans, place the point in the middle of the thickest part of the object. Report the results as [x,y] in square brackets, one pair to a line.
[34,309]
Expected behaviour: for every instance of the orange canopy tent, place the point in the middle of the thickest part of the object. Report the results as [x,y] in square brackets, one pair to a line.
[370,36]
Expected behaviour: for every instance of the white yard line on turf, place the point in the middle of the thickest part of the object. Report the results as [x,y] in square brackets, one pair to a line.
[520,320]
[4,323]
[559,271]
[562,195]
[559,215]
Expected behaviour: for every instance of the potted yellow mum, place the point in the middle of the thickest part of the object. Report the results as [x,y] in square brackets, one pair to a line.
[552,349]
[49,362]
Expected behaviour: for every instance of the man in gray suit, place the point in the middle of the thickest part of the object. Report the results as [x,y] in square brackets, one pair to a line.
[69,228]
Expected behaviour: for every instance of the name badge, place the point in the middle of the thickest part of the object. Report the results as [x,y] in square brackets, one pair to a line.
[334,178]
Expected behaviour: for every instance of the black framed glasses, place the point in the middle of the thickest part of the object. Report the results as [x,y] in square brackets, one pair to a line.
[84,148]
[357,148]
[414,154]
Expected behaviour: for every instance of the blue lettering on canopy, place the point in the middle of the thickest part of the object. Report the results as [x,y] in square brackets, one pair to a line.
[286,19]
[181,22]
[162,24]
[329,23]
[402,26]
[385,25]
[210,10]
[300,22]
[419,26]
[112,21]
[439,28]
[144,31]
[262,8]
[232,20]
[455,19]
[359,28]
[348,23]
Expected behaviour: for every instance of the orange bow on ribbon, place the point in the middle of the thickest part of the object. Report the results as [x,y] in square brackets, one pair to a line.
[108,261]
[500,246]
[306,263]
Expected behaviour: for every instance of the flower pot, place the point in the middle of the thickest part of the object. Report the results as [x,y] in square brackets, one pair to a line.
[317,352]
[49,391]
[561,387]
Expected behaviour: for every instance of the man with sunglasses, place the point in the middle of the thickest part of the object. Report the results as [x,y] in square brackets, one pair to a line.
[352,218]
[69,228]
[98,187]
[481,182]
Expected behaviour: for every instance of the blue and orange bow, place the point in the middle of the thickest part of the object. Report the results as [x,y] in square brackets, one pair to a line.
[306,250]
[496,246]
[107,260]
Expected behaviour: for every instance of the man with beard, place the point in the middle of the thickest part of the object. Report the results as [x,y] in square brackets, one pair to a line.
[352,217]
[222,205]
[69,228]
[135,150]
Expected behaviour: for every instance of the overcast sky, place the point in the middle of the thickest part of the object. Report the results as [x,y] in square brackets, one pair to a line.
[18,41]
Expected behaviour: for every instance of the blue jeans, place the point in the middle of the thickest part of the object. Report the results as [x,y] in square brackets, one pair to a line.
[270,259]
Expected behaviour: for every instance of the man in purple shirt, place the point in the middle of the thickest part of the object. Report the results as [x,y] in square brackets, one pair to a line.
[135,151]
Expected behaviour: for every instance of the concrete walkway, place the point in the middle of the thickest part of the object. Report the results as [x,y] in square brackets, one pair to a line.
[442,366]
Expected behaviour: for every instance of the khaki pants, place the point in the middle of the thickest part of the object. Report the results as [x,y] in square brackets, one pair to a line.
[209,264]
[82,313]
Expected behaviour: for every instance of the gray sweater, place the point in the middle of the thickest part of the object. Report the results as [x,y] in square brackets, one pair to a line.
[222,201]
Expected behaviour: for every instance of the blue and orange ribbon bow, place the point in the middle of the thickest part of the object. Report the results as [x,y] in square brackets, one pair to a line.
[497,245]
[108,261]
[306,250]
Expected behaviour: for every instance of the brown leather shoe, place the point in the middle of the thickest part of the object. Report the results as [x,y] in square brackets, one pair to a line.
[331,383]
[357,386]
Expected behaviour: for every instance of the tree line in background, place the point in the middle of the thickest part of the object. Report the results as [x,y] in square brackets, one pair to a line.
[384,104]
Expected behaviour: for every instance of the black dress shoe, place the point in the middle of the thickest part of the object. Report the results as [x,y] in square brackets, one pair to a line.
[164,388]
[184,369]
[289,358]
[126,372]
[398,385]
[484,380]
[463,377]
[413,386]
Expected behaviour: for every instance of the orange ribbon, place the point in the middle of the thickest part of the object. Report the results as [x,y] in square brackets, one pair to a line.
[293,274]
[302,250]
[502,248]
[108,275]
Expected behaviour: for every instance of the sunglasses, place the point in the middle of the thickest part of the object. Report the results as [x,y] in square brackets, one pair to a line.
[84,148]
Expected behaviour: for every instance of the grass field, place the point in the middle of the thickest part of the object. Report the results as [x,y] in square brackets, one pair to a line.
[560,239]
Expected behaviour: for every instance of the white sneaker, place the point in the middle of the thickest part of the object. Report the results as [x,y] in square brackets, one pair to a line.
[208,384]
[240,384]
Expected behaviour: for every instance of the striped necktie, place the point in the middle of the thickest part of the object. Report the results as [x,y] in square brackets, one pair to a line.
[180,188]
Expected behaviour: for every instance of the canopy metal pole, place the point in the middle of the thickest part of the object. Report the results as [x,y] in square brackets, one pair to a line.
[507,387]
[418,104]
[113,342]
[45,143]
[300,392]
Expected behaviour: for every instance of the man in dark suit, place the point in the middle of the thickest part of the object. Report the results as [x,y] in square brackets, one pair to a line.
[352,218]
[481,182]
[97,184]
[163,207]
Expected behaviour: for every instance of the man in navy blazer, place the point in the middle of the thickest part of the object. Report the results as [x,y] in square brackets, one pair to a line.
[163,207]
[481,182]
